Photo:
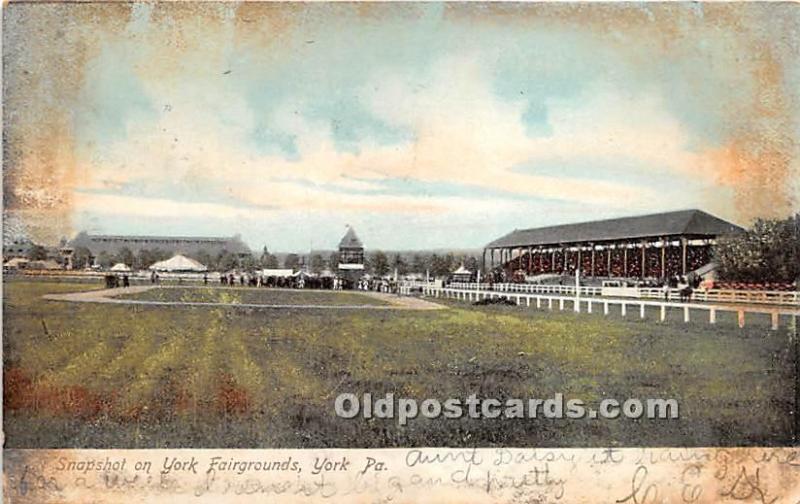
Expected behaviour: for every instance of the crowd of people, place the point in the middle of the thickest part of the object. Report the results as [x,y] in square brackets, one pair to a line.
[621,264]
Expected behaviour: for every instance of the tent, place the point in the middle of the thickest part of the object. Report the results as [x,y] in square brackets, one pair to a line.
[16,263]
[462,274]
[282,273]
[122,267]
[178,263]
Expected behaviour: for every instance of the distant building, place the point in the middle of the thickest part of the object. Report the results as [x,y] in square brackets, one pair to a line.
[351,256]
[17,247]
[186,245]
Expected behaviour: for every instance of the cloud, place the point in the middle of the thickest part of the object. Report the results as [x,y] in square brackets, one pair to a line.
[462,133]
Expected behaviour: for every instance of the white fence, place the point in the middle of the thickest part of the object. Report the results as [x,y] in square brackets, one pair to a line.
[590,304]
[788,298]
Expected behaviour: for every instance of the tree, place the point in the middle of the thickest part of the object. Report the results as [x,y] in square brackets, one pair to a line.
[419,263]
[147,257]
[472,263]
[291,261]
[37,253]
[204,257]
[767,252]
[124,256]
[227,261]
[104,259]
[442,265]
[399,264]
[379,263]
[270,262]
[81,258]
[317,263]
[249,263]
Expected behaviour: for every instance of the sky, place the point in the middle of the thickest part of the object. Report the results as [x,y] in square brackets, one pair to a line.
[421,125]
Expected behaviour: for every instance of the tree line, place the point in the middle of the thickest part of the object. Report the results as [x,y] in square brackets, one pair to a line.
[375,262]
[767,252]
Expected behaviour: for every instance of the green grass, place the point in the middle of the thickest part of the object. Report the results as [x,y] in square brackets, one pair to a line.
[142,377]
[254,295]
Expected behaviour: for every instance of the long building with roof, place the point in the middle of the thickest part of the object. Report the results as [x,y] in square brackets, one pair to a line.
[186,245]
[657,245]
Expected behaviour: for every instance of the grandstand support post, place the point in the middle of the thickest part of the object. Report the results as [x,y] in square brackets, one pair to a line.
[608,261]
[578,289]
[578,263]
[530,260]
[625,261]
[663,257]
[592,245]
[644,258]
[684,245]
[483,261]
[553,261]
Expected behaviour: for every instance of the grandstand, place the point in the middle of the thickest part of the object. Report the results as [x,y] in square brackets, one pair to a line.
[657,245]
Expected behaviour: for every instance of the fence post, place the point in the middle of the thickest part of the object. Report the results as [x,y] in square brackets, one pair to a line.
[663,312]
[538,302]
[712,316]
[641,310]
[775,321]
[549,303]
[605,308]
[686,314]
[561,304]
[741,318]
[624,310]
[588,306]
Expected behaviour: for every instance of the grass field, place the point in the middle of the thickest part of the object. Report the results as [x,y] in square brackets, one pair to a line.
[251,295]
[100,375]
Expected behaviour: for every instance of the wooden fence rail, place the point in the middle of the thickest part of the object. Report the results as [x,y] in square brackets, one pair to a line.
[592,303]
[790,298]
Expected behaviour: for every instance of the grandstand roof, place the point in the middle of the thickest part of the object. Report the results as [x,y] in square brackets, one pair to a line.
[678,223]
[350,240]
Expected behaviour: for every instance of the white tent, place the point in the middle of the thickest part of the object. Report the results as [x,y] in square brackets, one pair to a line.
[283,273]
[178,263]
[462,271]
[16,263]
[120,267]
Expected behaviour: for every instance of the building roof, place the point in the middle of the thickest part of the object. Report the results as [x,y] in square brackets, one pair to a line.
[183,244]
[178,263]
[350,240]
[678,223]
